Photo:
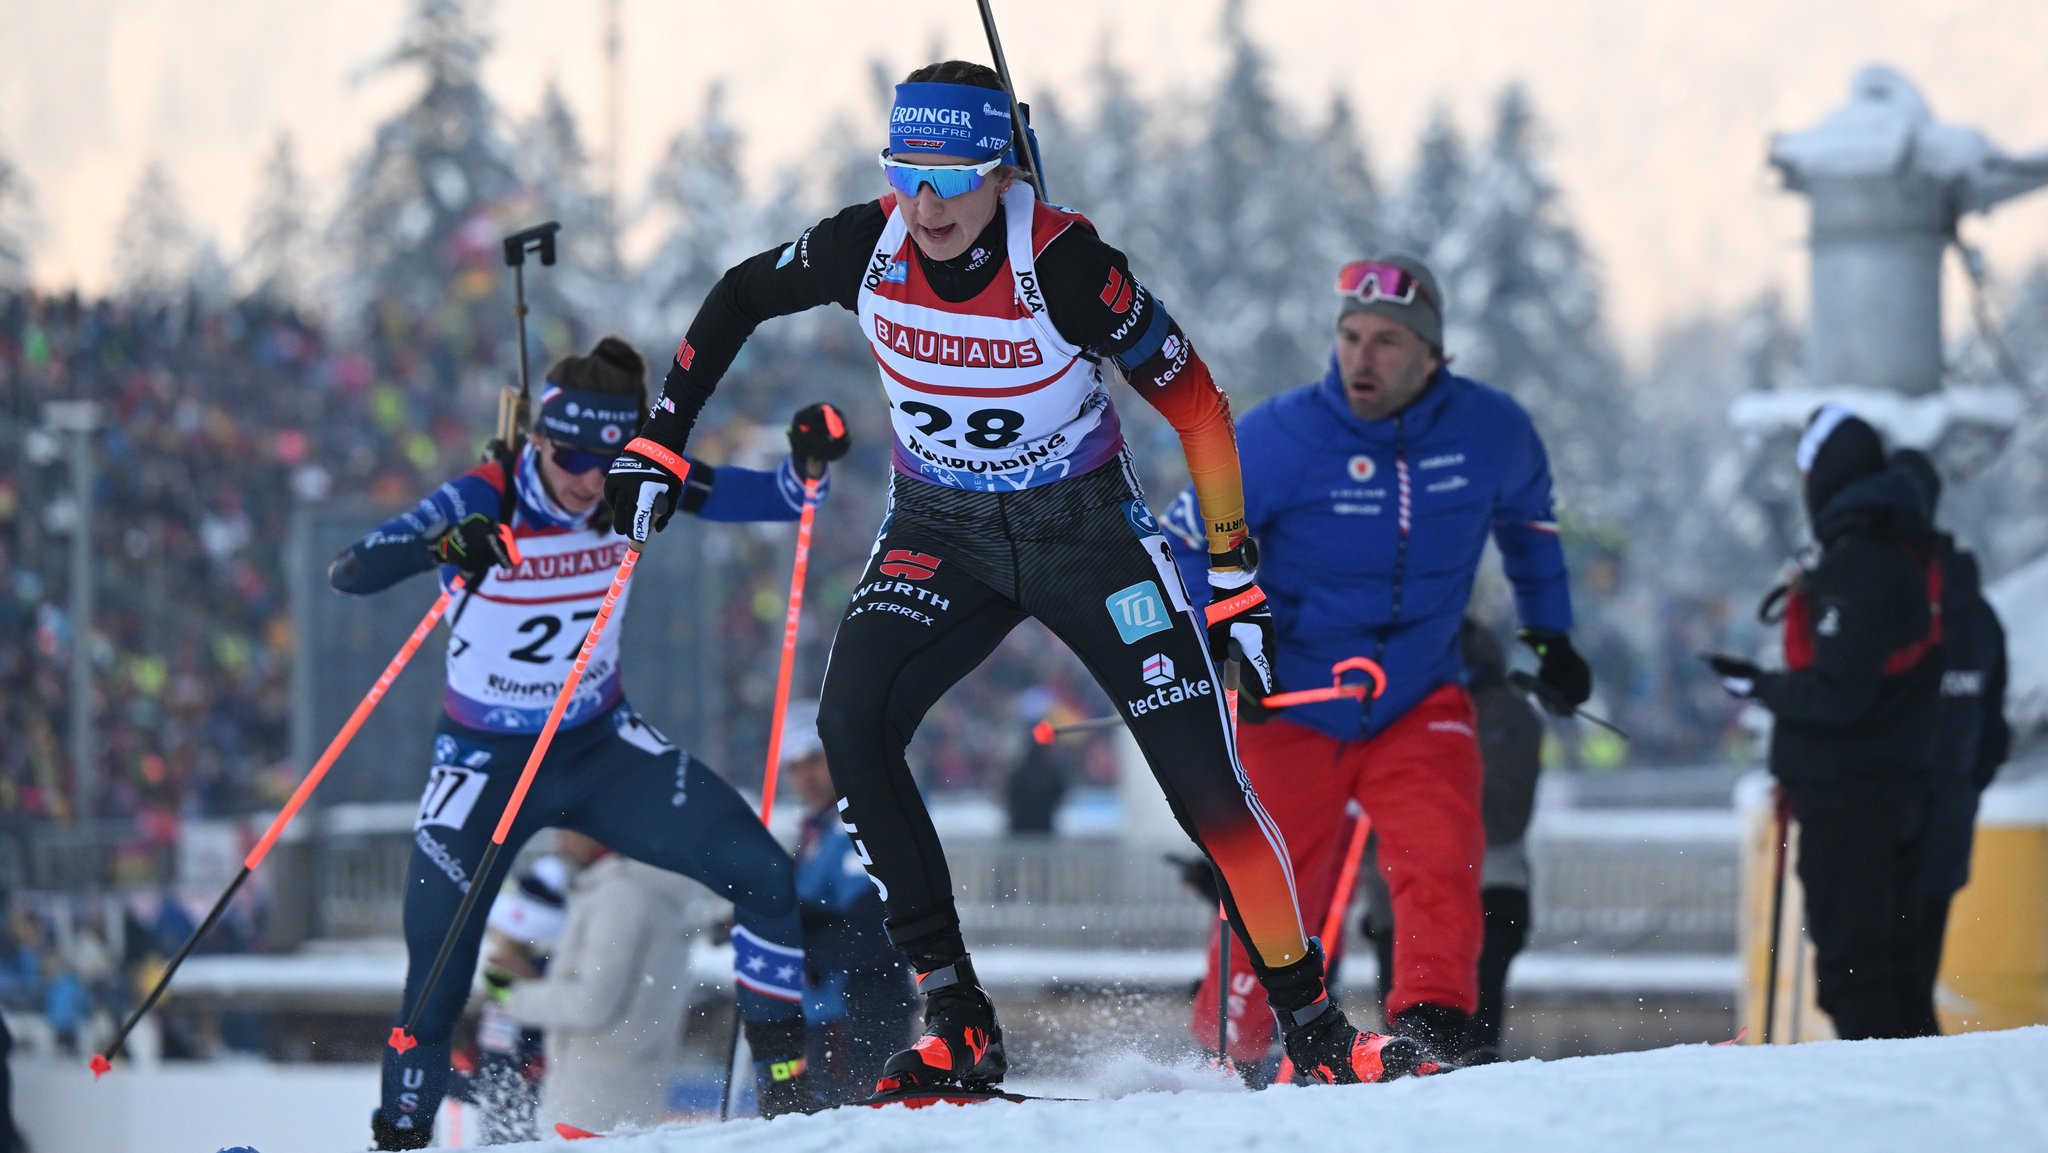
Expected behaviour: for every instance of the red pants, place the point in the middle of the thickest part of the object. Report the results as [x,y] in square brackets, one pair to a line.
[1419,782]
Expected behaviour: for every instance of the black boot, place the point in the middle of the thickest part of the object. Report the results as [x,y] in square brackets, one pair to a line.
[962,1043]
[1440,1028]
[1323,1043]
[782,1084]
[387,1135]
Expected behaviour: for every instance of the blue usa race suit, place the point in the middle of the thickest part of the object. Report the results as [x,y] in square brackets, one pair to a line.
[608,773]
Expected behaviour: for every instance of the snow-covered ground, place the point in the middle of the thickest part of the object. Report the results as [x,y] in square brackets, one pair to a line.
[1981,1091]
[1985,1091]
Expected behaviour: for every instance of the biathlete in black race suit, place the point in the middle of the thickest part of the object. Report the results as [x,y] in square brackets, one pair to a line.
[991,316]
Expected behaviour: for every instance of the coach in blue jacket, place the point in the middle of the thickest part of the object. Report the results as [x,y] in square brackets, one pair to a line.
[1372,493]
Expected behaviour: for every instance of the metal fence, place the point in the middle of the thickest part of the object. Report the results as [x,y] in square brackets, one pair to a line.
[1626,881]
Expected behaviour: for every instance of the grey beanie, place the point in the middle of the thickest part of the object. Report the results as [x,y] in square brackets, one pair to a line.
[1425,314]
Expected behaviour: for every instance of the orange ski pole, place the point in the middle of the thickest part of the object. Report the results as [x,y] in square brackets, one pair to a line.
[402,1038]
[102,1062]
[1333,919]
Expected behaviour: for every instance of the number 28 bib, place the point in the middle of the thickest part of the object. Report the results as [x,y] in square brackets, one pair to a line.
[985,393]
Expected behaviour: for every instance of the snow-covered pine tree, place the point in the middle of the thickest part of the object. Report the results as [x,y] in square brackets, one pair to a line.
[1421,211]
[17,224]
[699,193]
[424,203]
[2003,511]
[154,245]
[279,262]
[1523,314]
[555,168]
[554,163]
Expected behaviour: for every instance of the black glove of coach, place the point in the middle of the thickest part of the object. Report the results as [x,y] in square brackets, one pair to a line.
[1560,670]
[1737,676]
[817,437]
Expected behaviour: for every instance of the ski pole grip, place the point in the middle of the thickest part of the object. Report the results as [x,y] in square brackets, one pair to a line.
[648,506]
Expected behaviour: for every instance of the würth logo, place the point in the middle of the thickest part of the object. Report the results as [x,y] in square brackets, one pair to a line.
[1116,295]
[907,565]
[685,354]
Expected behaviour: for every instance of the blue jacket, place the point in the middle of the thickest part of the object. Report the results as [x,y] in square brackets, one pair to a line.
[1349,572]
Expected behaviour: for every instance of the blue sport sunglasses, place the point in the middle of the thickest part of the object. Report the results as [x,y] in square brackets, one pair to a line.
[946,180]
[577,461]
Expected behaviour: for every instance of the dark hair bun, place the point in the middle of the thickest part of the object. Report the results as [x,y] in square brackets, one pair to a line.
[616,353]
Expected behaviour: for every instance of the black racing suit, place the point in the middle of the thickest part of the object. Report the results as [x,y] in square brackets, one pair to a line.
[953,571]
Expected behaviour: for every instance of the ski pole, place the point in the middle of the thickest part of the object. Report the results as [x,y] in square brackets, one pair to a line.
[1340,901]
[798,569]
[1229,678]
[1528,683]
[1781,814]
[402,1038]
[103,1061]
[1045,732]
[1021,138]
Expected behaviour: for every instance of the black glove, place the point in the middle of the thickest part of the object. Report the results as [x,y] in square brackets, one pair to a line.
[1561,671]
[645,464]
[1240,621]
[1738,676]
[817,436]
[475,546]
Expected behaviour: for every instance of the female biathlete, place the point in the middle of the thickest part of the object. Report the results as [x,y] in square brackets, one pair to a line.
[991,316]
[608,773]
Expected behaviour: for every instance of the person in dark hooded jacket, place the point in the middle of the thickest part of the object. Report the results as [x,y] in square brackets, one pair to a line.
[1971,735]
[1855,711]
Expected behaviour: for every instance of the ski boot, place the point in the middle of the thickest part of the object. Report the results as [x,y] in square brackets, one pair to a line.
[1440,1028]
[781,1084]
[1330,1049]
[962,1044]
[386,1135]
[1323,1044]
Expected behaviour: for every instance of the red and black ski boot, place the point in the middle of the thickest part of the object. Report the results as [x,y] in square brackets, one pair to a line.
[962,1044]
[1325,1045]
[1322,1043]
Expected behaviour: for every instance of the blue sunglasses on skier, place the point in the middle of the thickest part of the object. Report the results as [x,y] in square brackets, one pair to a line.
[946,180]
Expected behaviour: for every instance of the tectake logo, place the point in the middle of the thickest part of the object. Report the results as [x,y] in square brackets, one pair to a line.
[1361,468]
[1158,669]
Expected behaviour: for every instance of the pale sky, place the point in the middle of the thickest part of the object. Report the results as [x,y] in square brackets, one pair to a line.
[1659,112]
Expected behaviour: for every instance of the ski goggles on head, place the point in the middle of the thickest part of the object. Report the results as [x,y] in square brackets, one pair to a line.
[577,461]
[1373,280]
[945,180]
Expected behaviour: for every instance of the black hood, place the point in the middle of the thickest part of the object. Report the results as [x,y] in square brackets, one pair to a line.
[1851,452]
[1888,501]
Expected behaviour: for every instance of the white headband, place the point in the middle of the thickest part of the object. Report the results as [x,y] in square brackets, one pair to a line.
[1824,424]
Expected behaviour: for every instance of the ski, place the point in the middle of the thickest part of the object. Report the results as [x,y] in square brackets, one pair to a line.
[919,1098]
[572,1133]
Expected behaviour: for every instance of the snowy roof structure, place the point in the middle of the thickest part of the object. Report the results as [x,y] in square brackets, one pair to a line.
[1886,132]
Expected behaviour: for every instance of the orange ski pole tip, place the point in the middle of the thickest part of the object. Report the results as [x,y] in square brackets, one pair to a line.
[1043,732]
[401,1040]
[100,1066]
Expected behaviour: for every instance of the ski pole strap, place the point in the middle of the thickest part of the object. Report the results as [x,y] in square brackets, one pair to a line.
[1292,1019]
[1229,607]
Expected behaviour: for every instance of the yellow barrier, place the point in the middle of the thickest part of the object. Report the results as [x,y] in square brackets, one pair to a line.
[1994,971]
